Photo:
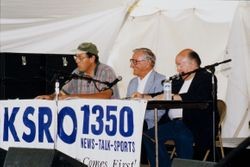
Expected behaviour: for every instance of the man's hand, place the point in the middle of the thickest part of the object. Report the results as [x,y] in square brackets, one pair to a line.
[137,95]
[45,97]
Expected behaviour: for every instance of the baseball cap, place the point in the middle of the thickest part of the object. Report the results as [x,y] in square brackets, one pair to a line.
[88,47]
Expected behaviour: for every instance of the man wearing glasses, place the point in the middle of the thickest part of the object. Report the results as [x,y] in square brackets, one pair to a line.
[147,81]
[88,66]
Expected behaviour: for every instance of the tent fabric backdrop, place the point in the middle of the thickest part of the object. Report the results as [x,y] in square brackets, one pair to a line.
[34,26]
[165,26]
[238,90]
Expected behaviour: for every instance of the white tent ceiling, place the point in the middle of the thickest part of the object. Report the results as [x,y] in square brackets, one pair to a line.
[119,26]
[58,26]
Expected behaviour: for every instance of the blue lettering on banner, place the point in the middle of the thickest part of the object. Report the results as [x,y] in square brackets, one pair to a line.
[98,110]
[108,122]
[28,137]
[67,111]
[9,124]
[126,112]
[30,124]
[105,144]
[87,143]
[124,146]
[111,131]
[44,126]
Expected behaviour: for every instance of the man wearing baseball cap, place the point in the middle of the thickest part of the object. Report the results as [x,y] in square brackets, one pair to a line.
[88,66]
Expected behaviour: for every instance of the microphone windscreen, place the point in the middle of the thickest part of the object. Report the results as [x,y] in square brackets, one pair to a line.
[119,78]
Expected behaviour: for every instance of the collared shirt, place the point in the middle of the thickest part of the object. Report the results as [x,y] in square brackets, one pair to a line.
[149,114]
[142,82]
[102,73]
[177,113]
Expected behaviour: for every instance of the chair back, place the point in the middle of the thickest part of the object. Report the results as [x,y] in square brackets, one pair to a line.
[222,109]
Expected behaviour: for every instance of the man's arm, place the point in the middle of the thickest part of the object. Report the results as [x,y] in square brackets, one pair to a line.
[106,94]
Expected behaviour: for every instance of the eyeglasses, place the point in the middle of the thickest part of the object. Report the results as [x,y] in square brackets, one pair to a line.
[77,57]
[135,62]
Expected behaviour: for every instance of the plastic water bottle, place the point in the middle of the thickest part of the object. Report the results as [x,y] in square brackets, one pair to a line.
[167,88]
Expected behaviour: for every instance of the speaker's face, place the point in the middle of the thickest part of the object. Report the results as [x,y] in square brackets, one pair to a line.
[84,63]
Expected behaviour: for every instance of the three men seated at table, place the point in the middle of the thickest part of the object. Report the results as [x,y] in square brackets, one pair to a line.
[185,126]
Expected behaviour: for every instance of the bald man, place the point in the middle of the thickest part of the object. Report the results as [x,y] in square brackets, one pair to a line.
[186,126]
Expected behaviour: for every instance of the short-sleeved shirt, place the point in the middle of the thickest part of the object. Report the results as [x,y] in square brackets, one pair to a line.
[103,73]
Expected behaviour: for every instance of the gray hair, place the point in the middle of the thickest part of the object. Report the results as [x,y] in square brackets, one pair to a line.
[149,55]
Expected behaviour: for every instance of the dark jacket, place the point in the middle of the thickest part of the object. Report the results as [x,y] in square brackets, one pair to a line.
[199,121]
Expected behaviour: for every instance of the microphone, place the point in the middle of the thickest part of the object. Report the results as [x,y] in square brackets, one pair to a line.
[110,85]
[176,76]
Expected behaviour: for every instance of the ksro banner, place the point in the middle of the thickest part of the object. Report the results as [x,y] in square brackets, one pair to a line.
[98,133]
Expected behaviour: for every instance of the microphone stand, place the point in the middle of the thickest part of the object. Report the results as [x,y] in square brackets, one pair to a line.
[76,76]
[211,68]
[57,91]
[108,84]
[214,101]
